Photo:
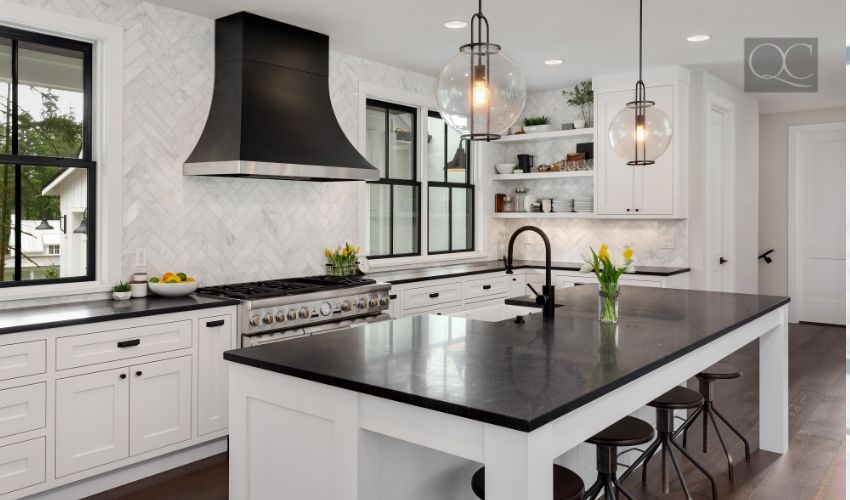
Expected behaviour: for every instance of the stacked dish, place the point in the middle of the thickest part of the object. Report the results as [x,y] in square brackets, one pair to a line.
[584,203]
[565,205]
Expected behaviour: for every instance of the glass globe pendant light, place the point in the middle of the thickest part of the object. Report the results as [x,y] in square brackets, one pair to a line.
[481,91]
[640,132]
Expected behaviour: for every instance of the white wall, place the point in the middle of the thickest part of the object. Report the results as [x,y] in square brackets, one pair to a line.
[746,181]
[773,189]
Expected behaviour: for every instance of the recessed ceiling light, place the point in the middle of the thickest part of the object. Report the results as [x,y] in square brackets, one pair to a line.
[455,25]
[553,62]
[698,38]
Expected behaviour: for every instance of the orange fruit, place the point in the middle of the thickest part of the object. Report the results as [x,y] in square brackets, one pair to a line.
[166,276]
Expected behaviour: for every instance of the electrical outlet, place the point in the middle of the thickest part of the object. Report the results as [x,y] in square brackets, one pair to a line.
[667,242]
[627,241]
[141,257]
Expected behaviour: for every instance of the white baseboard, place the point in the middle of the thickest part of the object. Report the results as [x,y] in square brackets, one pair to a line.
[109,480]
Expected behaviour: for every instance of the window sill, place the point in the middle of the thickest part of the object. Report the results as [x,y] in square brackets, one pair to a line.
[52,291]
[421,260]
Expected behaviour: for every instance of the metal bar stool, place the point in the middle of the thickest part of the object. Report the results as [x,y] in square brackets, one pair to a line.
[629,431]
[678,398]
[567,484]
[720,371]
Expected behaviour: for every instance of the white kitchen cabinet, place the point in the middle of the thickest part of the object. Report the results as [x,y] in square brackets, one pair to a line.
[92,420]
[640,190]
[22,409]
[518,287]
[160,404]
[214,337]
[22,359]
[22,465]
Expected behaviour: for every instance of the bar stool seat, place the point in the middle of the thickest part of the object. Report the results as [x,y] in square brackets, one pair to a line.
[677,398]
[567,484]
[719,371]
[629,431]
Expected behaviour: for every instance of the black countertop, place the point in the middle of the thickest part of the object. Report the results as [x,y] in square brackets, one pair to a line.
[95,311]
[401,276]
[519,376]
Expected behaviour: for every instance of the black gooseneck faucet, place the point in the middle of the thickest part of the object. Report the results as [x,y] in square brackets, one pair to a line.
[547,298]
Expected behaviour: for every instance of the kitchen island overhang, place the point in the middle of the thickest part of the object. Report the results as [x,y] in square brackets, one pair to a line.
[513,397]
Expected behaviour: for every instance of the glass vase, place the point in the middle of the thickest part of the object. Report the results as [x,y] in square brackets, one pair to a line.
[340,269]
[609,307]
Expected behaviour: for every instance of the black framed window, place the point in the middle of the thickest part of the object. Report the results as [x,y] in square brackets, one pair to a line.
[451,193]
[394,200]
[47,175]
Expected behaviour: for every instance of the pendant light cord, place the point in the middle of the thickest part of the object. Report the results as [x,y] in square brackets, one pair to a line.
[640,41]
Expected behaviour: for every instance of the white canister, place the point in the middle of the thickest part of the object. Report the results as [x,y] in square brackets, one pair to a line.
[579,123]
[139,289]
[547,204]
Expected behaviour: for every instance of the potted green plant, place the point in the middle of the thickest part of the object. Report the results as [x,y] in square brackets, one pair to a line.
[581,96]
[121,291]
[536,124]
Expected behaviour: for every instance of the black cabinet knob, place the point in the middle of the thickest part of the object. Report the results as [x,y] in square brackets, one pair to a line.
[122,376]
[139,373]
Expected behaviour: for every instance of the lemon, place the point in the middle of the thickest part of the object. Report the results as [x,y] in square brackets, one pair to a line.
[173,279]
[190,280]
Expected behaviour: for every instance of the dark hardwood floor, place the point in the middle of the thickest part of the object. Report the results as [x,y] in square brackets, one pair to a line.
[813,468]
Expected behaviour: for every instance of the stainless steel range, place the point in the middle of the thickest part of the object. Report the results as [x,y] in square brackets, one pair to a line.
[289,308]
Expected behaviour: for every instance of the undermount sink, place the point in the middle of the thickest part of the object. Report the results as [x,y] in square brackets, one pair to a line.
[494,313]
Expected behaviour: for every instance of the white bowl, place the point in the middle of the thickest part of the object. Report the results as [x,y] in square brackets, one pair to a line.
[505,168]
[173,289]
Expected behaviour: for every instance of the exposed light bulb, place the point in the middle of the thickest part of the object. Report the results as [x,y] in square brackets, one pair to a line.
[640,134]
[480,89]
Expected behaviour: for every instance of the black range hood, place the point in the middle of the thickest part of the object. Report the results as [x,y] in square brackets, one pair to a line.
[271,115]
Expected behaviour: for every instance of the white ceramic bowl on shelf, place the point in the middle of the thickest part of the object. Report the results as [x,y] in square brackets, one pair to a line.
[505,168]
[173,289]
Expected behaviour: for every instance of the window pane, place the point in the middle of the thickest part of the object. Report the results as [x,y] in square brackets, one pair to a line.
[461,219]
[402,144]
[458,157]
[436,149]
[50,196]
[7,222]
[405,219]
[5,96]
[50,101]
[379,219]
[438,219]
[376,138]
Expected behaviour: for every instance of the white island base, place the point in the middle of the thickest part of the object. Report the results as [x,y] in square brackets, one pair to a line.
[294,439]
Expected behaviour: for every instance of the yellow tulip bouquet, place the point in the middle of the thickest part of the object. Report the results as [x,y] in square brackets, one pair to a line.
[608,268]
[342,259]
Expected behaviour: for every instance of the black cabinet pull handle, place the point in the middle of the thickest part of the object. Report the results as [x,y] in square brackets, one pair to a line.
[129,343]
[487,287]
[139,373]
[212,324]
[122,376]
[433,295]
[393,297]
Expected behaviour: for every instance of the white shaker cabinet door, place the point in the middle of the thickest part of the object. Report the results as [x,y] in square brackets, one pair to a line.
[615,179]
[91,420]
[160,404]
[653,190]
[214,337]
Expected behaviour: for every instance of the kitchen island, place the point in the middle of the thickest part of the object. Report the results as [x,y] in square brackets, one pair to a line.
[512,396]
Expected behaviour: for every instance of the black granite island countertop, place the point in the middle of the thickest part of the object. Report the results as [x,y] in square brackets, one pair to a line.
[401,276]
[95,311]
[519,376]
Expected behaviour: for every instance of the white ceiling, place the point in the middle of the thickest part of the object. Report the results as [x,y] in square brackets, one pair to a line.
[593,37]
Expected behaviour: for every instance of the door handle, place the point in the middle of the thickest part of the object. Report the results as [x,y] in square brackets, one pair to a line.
[213,324]
[723,261]
[129,343]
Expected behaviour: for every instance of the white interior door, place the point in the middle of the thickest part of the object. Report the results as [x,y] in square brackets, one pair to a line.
[817,238]
[719,199]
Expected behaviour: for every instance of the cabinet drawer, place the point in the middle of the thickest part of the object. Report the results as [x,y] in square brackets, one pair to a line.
[474,289]
[444,309]
[22,409]
[649,283]
[22,465]
[112,345]
[431,295]
[20,360]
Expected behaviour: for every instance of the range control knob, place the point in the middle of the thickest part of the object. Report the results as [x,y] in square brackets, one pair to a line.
[268,318]
[304,312]
[362,303]
[279,317]
[345,306]
[385,300]
[256,320]
[373,301]
[291,315]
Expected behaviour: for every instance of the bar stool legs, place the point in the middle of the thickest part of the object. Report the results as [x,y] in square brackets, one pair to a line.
[709,412]
[606,480]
